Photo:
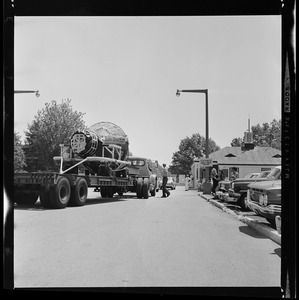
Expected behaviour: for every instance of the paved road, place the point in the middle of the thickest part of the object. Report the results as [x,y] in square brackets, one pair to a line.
[181,240]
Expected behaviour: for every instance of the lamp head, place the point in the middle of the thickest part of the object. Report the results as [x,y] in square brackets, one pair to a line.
[37,94]
[178,93]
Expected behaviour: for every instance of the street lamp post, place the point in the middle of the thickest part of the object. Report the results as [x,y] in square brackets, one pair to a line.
[207,184]
[25,92]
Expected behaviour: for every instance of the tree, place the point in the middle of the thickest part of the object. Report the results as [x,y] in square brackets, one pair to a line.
[267,135]
[19,156]
[51,127]
[236,142]
[190,148]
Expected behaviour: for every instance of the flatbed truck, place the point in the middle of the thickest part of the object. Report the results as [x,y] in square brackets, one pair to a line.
[94,159]
[57,190]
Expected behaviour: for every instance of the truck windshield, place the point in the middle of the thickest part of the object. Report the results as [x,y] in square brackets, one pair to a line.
[137,162]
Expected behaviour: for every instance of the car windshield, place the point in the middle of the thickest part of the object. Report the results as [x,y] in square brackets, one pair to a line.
[251,175]
[274,174]
[263,174]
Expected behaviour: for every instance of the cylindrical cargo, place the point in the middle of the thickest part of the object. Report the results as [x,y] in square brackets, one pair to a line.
[92,141]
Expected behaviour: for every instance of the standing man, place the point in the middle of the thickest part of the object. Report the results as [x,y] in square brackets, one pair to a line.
[234,174]
[215,181]
[187,182]
[165,191]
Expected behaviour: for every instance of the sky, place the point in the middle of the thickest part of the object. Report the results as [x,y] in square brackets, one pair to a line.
[126,70]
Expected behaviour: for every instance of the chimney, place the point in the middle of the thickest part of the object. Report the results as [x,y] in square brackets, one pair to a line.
[248,139]
[248,124]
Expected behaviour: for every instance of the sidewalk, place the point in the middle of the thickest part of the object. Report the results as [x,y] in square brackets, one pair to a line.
[261,228]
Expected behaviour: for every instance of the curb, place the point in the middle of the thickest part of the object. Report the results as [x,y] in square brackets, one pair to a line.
[261,228]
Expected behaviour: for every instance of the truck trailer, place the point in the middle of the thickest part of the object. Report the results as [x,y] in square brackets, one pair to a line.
[96,157]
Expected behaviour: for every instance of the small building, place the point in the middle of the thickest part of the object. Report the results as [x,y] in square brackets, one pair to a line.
[246,159]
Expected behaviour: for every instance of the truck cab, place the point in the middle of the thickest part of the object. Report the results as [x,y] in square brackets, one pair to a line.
[146,181]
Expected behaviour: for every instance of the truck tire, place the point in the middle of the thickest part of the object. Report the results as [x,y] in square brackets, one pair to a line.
[104,191]
[154,189]
[60,193]
[79,192]
[145,188]
[110,192]
[25,199]
[44,197]
[139,188]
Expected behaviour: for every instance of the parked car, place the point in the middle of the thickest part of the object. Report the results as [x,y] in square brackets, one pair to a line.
[171,183]
[237,190]
[264,198]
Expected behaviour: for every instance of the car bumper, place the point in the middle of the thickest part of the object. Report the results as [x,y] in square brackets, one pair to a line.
[226,197]
[220,195]
[232,194]
[270,211]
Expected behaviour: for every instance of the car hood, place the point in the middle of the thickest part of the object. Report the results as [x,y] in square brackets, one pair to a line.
[249,180]
[266,185]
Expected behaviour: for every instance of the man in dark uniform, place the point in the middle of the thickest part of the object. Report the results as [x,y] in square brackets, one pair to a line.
[165,191]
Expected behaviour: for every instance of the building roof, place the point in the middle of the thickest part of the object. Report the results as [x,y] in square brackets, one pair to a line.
[239,156]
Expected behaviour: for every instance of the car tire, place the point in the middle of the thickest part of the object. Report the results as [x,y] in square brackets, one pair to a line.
[241,202]
[272,222]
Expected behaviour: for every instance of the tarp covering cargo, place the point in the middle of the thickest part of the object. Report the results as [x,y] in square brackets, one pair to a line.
[109,133]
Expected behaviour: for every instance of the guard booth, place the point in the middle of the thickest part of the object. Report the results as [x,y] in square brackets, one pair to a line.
[204,169]
[199,169]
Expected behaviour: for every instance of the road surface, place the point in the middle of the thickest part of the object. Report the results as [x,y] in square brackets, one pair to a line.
[179,241]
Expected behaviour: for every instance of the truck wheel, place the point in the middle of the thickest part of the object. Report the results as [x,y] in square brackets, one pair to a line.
[60,193]
[103,191]
[139,188]
[145,188]
[110,192]
[25,199]
[79,192]
[153,191]
[44,197]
